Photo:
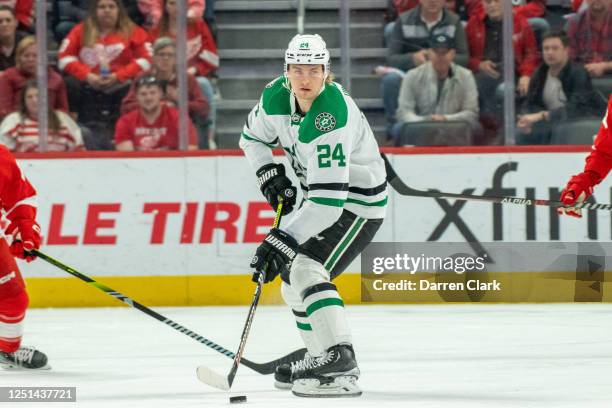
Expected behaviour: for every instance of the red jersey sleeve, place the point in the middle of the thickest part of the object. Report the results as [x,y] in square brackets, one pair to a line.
[529,49]
[207,59]
[600,159]
[6,96]
[124,129]
[17,195]
[141,55]
[68,58]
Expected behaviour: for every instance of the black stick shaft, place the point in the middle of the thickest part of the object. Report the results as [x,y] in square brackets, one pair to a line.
[403,189]
[251,315]
[264,368]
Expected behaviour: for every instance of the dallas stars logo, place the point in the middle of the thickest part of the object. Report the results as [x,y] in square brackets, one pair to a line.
[325,122]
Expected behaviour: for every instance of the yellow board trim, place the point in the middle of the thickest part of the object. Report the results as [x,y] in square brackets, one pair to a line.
[238,290]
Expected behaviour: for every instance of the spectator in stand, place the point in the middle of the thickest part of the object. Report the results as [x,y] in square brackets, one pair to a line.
[529,8]
[436,91]
[463,8]
[101,55]
[485,39]
[14,79]
[154,125]
[590,36]
[202,57]
[9,37]
[195,9]
[24,13]
[19,130]
[164,69]
[533,10]
[559,90]
[66,14]
[408,47]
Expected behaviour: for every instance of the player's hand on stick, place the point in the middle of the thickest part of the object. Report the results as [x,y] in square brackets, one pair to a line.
[274,255]
[578,189]
[25,234]
[273,183]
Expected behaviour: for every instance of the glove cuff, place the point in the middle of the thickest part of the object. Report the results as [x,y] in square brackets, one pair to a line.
[288,240]
[587,178]
[267,173]
[22,212]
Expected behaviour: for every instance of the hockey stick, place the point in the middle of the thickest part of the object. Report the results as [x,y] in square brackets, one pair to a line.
[261,368]
[399,186]
[210,377]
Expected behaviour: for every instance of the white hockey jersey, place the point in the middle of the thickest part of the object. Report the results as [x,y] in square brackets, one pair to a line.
[331,148]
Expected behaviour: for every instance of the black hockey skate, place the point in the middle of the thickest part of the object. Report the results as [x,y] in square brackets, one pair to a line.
[334,374]
[282,374]
[25,358]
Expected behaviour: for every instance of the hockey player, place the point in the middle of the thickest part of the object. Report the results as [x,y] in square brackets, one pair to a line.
[17,201]
[598,165]
[330,146]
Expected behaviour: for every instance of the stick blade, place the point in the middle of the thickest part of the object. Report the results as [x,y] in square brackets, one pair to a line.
[208,376]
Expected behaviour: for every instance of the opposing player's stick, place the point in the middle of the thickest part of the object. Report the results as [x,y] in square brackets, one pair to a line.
[261,368]
[399,186]
[208,376]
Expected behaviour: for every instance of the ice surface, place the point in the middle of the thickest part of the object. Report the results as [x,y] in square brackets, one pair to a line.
[410,356]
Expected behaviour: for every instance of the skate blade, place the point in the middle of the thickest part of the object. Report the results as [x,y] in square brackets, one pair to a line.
[11,367]
[341,387]
[282,385]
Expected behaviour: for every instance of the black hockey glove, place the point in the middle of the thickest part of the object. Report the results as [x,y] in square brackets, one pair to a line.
[273,183]
[274,255]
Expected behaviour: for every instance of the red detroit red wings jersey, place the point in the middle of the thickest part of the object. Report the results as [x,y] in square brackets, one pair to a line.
[159,135]
[201,47]
[126,57]
[600,159]
[15,190]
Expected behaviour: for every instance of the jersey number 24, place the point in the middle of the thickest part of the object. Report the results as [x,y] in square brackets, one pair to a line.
[327,156]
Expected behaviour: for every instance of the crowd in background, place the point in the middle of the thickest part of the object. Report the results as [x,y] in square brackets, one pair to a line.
[443,76]
[114,83]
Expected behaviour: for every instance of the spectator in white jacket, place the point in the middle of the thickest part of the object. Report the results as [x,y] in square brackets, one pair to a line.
[19,131]
[438,92]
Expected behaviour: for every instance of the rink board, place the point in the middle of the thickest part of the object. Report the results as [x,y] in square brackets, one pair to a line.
[180,230]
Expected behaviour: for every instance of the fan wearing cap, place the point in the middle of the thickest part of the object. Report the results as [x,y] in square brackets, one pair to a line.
[436,91]
[154,125]
[335,160]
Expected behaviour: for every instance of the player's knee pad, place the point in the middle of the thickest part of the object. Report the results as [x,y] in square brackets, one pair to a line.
[292,299]
[306,272]
[12,309]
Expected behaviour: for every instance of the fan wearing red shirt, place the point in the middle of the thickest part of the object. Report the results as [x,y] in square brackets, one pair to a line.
[598,165]
[154,125]
[101,55]
[202,56]
[18,205]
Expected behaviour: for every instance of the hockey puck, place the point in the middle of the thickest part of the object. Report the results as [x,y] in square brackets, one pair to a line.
[238,399]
